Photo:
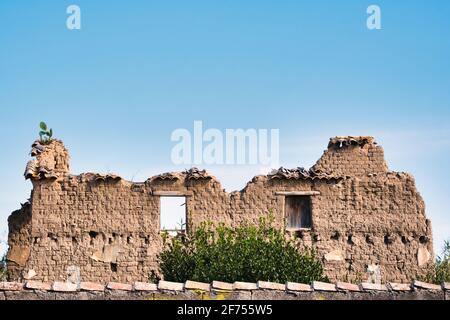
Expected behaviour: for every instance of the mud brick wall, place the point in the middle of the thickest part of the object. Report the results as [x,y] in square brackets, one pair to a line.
[352,156]
[109,229]
[368,223]
[19,240]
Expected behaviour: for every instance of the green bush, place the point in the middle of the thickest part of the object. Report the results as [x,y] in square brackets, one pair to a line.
[440,271]
[248,253]
[3,272]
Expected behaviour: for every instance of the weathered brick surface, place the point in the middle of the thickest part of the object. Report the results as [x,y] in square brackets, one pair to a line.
[170,286]
[343,286]
[373,287]
[291,286]
[271,286]
[321,286]
[245,286]
[11,286]
[218,285]
[399,286]
[144,286]
[108,228]
[91,286]
[119,286]
[427,286]
[64,287]
[38,285]
[192,285]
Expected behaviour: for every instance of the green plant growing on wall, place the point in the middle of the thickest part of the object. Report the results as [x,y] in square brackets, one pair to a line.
[45,134]
[181,225]
[248,253]
[3,270]
[440,270]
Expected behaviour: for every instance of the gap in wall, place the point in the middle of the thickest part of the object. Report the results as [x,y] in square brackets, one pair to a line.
[173,214]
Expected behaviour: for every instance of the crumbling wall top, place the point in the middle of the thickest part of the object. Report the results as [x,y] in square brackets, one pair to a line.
[345,141]
[52,161]
[352,156]
[191,174]
[346,156]
[299,174]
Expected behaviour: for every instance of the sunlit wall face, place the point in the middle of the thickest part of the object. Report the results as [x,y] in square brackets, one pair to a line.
[115,89]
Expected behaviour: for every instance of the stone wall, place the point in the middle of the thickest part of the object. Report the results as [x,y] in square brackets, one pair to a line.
[369,223]
[261,291]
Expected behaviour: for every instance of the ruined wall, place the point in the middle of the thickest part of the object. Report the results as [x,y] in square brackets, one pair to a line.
[351,157]
[19,239]
[108,228]
[368,223]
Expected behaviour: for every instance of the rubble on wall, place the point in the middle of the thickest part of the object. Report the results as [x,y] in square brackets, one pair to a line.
[197,174]
[99,177]
[171,176]
[52,161]
[35,171]
[345,141]
[299,173]
[191,174]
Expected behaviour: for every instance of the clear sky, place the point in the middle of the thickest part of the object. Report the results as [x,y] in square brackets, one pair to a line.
[137,70]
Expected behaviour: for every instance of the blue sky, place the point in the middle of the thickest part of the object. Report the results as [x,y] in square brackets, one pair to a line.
[137,70]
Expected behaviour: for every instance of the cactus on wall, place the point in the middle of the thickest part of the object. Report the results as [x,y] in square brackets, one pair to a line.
[45,134]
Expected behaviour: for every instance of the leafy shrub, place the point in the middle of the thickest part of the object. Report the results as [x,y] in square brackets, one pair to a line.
[3,272]
[45,134]
[247,253]
[440,271]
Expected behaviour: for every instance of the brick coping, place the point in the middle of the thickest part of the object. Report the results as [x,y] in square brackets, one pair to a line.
[217,286]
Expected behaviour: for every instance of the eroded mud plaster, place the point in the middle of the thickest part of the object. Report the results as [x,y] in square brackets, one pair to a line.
[368,223]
